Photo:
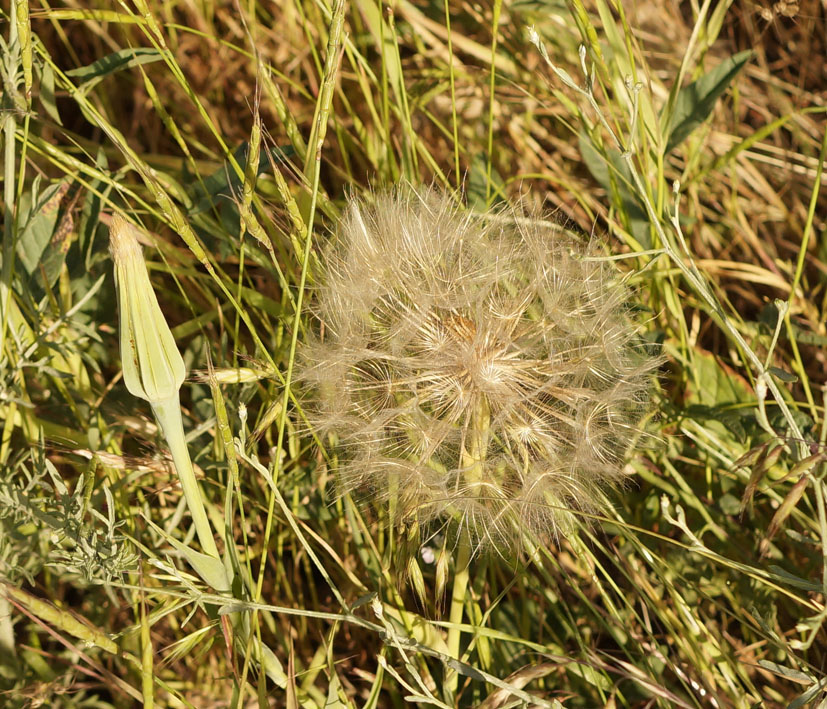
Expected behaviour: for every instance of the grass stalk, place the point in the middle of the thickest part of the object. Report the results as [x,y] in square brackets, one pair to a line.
[451,84]
[315,144]
[9,161]
[7,641]
[492,88]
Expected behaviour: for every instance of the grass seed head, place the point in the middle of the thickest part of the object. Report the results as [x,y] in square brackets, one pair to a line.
[479,369]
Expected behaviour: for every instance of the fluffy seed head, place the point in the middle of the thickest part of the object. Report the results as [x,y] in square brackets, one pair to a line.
[479,369]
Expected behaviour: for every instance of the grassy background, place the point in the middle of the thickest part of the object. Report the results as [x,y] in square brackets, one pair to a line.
[232,132]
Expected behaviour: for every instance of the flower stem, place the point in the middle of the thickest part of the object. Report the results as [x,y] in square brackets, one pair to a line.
[168,413]
[473,457]
[462,565]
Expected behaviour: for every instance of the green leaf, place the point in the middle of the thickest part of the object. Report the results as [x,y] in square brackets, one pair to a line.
[614,176]
[806,337]
[334,690]
[788,672]
[805,699]
[590,675]
[783,375]
[53,258]
[729,504]
[796,581]
[715,384]
[477,188]
[91,74]
[39,224]
[47,93]
[209,568]
[695,102]
[804,422]
[225,183]
[271,664]
[720,398]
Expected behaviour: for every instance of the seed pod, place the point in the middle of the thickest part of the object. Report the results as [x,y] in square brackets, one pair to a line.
[443,562]
[417,580]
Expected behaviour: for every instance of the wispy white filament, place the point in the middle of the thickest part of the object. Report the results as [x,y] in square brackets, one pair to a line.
[444,332]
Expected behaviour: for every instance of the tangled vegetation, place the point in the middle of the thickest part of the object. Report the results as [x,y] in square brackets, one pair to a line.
[229,138]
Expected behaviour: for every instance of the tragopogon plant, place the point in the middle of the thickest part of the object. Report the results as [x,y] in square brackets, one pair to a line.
[480,369]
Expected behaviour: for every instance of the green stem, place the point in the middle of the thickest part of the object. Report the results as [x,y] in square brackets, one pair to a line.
[462,565]
[8,654]
[492,98]
[168,413]
[472,459]
[8,127]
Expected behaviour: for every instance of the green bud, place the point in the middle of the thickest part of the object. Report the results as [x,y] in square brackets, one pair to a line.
[153,368]
[417,580]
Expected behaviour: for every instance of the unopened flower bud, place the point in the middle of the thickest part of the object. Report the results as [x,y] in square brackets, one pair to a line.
[153,368]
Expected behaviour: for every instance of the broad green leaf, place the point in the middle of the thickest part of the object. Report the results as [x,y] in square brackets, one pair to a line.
[716,384]
[720,399]
[91,74]
[695,102]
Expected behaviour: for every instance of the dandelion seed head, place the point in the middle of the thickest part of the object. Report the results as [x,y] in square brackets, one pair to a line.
[482,370]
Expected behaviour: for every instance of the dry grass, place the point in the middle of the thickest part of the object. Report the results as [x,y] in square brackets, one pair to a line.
[704,585]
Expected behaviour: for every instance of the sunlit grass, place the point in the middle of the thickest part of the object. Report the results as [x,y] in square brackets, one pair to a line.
[231,135]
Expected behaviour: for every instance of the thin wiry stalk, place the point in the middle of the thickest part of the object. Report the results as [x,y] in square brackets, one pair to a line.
[315,145]
[687,267]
